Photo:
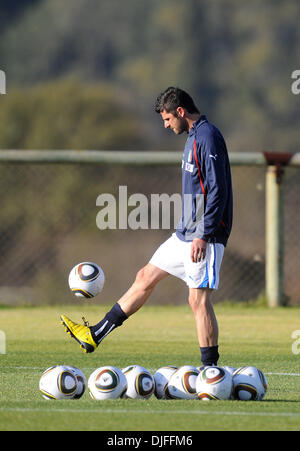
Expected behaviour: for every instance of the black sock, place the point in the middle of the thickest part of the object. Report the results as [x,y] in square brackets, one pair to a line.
[209,355]
[114,318]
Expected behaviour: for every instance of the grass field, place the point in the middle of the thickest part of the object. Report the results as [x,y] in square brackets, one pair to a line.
[154,337]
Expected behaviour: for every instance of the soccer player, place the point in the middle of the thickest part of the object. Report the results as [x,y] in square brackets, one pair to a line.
[194,252]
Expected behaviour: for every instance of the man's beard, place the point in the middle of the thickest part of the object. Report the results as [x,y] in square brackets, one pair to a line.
[182,127]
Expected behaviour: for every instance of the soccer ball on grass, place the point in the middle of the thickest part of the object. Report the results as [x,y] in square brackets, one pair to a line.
[249,384]
[182,383]
[58,382]
[140,382]
[81,380]
[107,382]
[214,382]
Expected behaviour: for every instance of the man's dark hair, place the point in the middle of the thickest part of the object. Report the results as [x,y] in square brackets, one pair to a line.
[172,98]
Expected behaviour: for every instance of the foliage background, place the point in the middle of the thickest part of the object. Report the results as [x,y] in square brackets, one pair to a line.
[235,57]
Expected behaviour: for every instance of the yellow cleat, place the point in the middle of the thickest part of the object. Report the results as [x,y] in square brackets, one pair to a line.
[81,333]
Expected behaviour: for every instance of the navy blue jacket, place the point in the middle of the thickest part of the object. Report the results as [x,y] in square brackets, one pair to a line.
[206,186]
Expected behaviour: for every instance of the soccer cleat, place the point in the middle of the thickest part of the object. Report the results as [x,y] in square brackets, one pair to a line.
[81,333]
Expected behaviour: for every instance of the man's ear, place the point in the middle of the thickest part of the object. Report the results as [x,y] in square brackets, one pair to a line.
[181,112]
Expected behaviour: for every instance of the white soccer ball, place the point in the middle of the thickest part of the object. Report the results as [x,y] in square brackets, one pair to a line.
[214,382]
[140,382]
[58,382]
[161,379]
[249,384]
[107,382]
[182,383]
[81,380]
[86,279]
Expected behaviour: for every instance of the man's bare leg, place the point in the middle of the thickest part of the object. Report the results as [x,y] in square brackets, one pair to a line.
[206,324]
[89,337]
[145,281]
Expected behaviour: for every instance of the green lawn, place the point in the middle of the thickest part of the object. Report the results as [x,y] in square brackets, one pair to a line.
[154,337]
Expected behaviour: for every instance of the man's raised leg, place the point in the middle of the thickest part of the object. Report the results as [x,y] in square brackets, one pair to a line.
[90,337]
[145,282]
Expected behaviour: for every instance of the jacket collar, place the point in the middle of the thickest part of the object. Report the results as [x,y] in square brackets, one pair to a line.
[197,123]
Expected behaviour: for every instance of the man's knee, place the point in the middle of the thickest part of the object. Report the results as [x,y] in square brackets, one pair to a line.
[144,278]
[141,276]
[149,276]
[199,298]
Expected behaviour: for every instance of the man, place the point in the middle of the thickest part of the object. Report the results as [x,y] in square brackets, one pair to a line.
[194,253]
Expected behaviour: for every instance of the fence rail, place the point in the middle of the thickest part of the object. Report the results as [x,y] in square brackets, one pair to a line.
[127,157]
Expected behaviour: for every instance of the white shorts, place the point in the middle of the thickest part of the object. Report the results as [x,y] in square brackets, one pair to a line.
[174,257]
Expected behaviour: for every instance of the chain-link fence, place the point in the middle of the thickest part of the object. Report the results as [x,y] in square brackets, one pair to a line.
[48,224]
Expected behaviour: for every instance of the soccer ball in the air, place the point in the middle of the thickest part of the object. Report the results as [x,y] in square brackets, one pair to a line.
[58,382]
[249,384]
[214,382]
[86,279]
[107,382]
[81,380]
[140,382]
[161,379]
[182,383]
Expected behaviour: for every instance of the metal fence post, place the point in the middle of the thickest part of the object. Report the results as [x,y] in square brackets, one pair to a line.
[275,228]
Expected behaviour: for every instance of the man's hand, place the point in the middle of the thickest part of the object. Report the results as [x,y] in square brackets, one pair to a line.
[198,250]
